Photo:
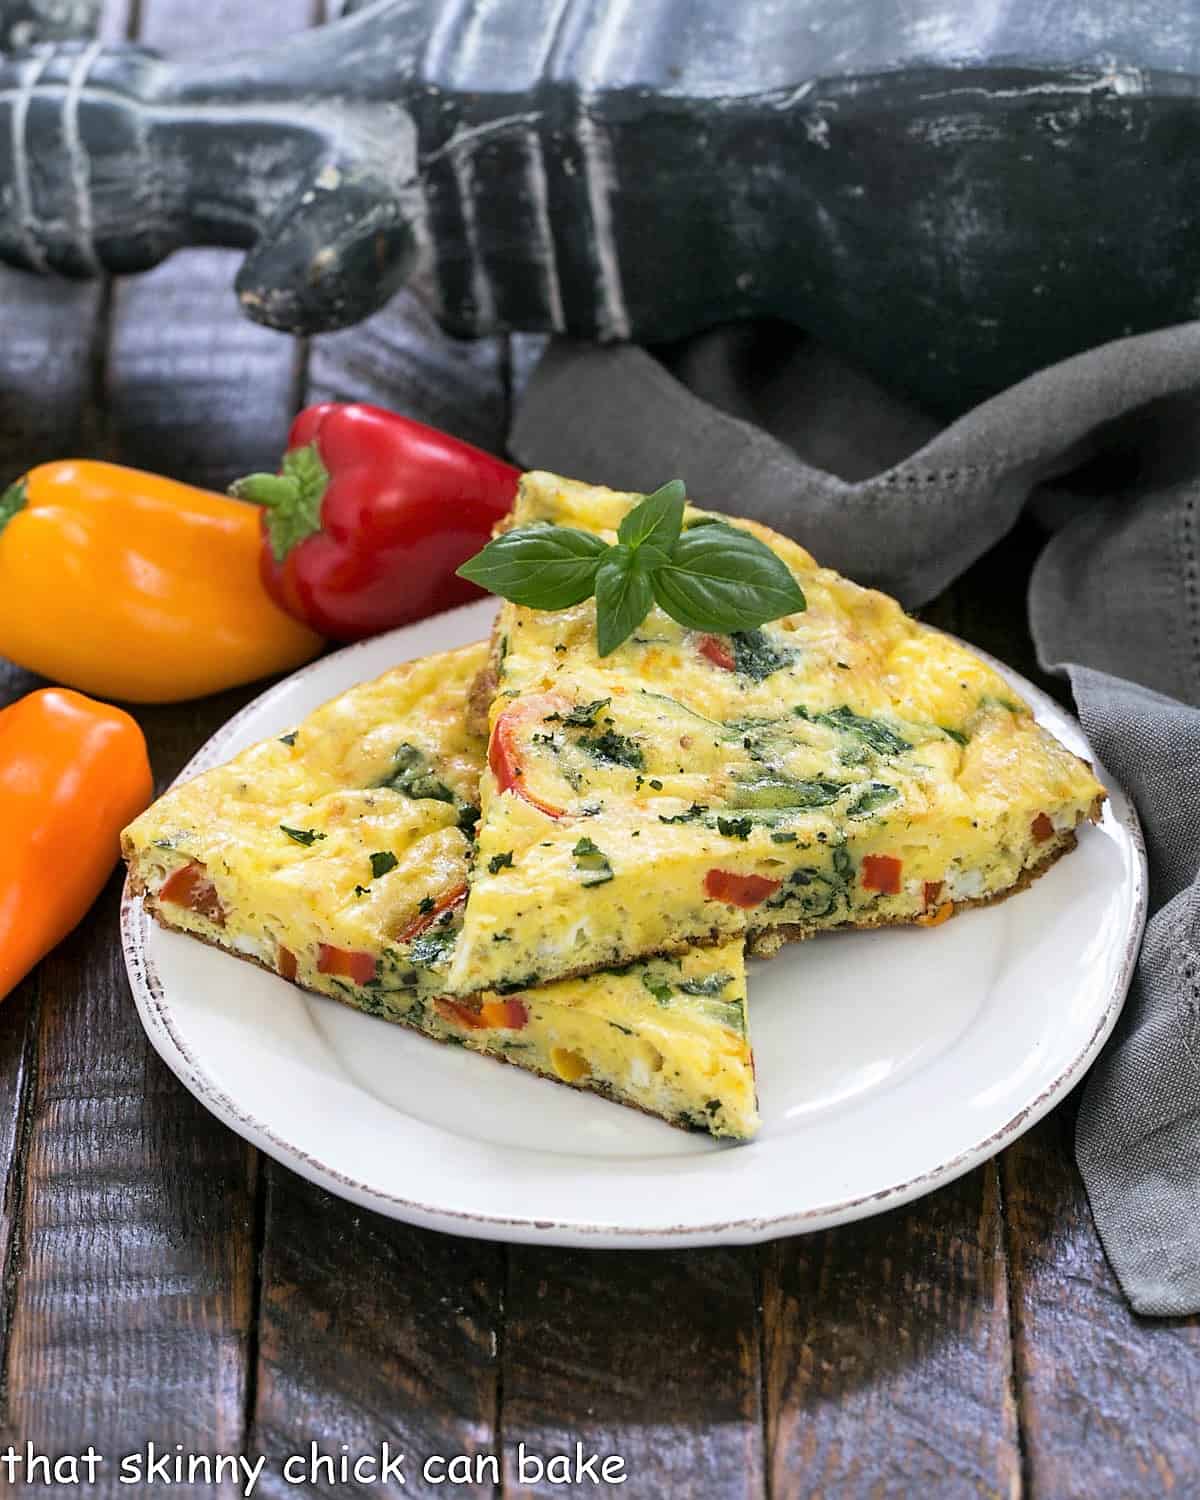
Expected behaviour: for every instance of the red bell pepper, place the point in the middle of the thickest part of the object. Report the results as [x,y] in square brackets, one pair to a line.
[717,649]
[746,891]
[507,741]
[369,516]
[881,872]
[345,963]
[190,886]
[424,920]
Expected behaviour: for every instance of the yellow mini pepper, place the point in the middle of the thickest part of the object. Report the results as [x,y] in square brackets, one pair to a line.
[130,586]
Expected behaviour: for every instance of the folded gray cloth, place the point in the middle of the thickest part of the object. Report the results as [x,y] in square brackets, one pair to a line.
[762,422]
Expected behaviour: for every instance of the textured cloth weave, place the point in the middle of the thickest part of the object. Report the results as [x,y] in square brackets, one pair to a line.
[1106,446]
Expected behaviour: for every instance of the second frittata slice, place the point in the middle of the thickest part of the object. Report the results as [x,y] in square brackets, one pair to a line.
[337,856]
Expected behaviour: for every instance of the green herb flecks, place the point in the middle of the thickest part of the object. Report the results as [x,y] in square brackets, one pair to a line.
[382,861]
[735,828]
[692,815]
[755,656]
[711,984]
[612,749]
[772,791]
[411,776]
[429,949]
[879,736]
[592,862]
[583,715]
[305,836]
[288,739]
[659,988]
[500,862]
[874,795]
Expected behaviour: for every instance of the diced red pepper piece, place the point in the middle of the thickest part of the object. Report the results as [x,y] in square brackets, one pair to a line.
[344,963]
[718,650]
[1043,828]
[504,747]
[739,890]
[459,1015]
[881,872]
[285,962]
[933,890]
[425,920]
[505,1015]
[190,886]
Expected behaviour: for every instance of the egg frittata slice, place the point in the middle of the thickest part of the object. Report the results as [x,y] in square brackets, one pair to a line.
[337,856]
[842,767]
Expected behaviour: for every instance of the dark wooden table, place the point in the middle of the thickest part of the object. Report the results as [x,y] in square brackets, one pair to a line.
[163,1281]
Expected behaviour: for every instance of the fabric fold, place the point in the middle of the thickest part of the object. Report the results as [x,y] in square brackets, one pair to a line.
[793,436]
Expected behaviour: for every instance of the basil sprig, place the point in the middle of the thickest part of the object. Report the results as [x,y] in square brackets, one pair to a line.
[711,577]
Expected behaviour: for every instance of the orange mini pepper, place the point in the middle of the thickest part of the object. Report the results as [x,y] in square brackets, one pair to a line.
[131,586]
[73,772]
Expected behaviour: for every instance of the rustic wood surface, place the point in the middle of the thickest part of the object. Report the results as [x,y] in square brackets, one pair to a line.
[162,1281]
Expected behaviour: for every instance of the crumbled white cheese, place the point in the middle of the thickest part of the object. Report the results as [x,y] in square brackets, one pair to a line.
[964,885]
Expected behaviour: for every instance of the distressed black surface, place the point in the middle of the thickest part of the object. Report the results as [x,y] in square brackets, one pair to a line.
[952,196]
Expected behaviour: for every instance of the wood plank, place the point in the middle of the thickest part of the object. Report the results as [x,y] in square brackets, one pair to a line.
[650,1356]
[1107,1399]
[132,1289]
[46,379]
[371,1329]
[18,1027]
[371,1332]
[134,1283]
[887,1353]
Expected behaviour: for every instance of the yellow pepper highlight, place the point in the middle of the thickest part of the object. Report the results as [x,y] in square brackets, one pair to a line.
[127,585]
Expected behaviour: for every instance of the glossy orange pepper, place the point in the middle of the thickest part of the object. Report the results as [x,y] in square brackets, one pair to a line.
[131,586]
[73,772]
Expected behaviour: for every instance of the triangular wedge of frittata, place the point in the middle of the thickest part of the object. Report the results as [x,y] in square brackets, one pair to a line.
[337,856]
[842,767]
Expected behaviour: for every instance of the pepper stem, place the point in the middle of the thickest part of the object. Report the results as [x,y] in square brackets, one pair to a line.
[12,500]
[292,498]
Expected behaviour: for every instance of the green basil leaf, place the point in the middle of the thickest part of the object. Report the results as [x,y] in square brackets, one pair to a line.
[657,521]
[541,567]
[722,579]
[623,598]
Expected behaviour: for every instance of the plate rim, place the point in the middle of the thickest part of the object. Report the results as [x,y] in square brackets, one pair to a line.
[153,1009]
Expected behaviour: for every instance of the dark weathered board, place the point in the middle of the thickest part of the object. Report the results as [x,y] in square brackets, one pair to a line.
[1107,1400]
[371,1332]
[887,1355]
[132,1283]
[650,1357]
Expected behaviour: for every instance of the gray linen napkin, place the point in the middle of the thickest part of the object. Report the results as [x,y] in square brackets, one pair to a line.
[760,421]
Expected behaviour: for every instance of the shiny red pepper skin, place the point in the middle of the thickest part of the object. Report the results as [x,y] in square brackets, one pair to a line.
[404,506]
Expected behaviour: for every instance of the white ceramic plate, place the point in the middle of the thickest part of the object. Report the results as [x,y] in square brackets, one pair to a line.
[888,1062]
